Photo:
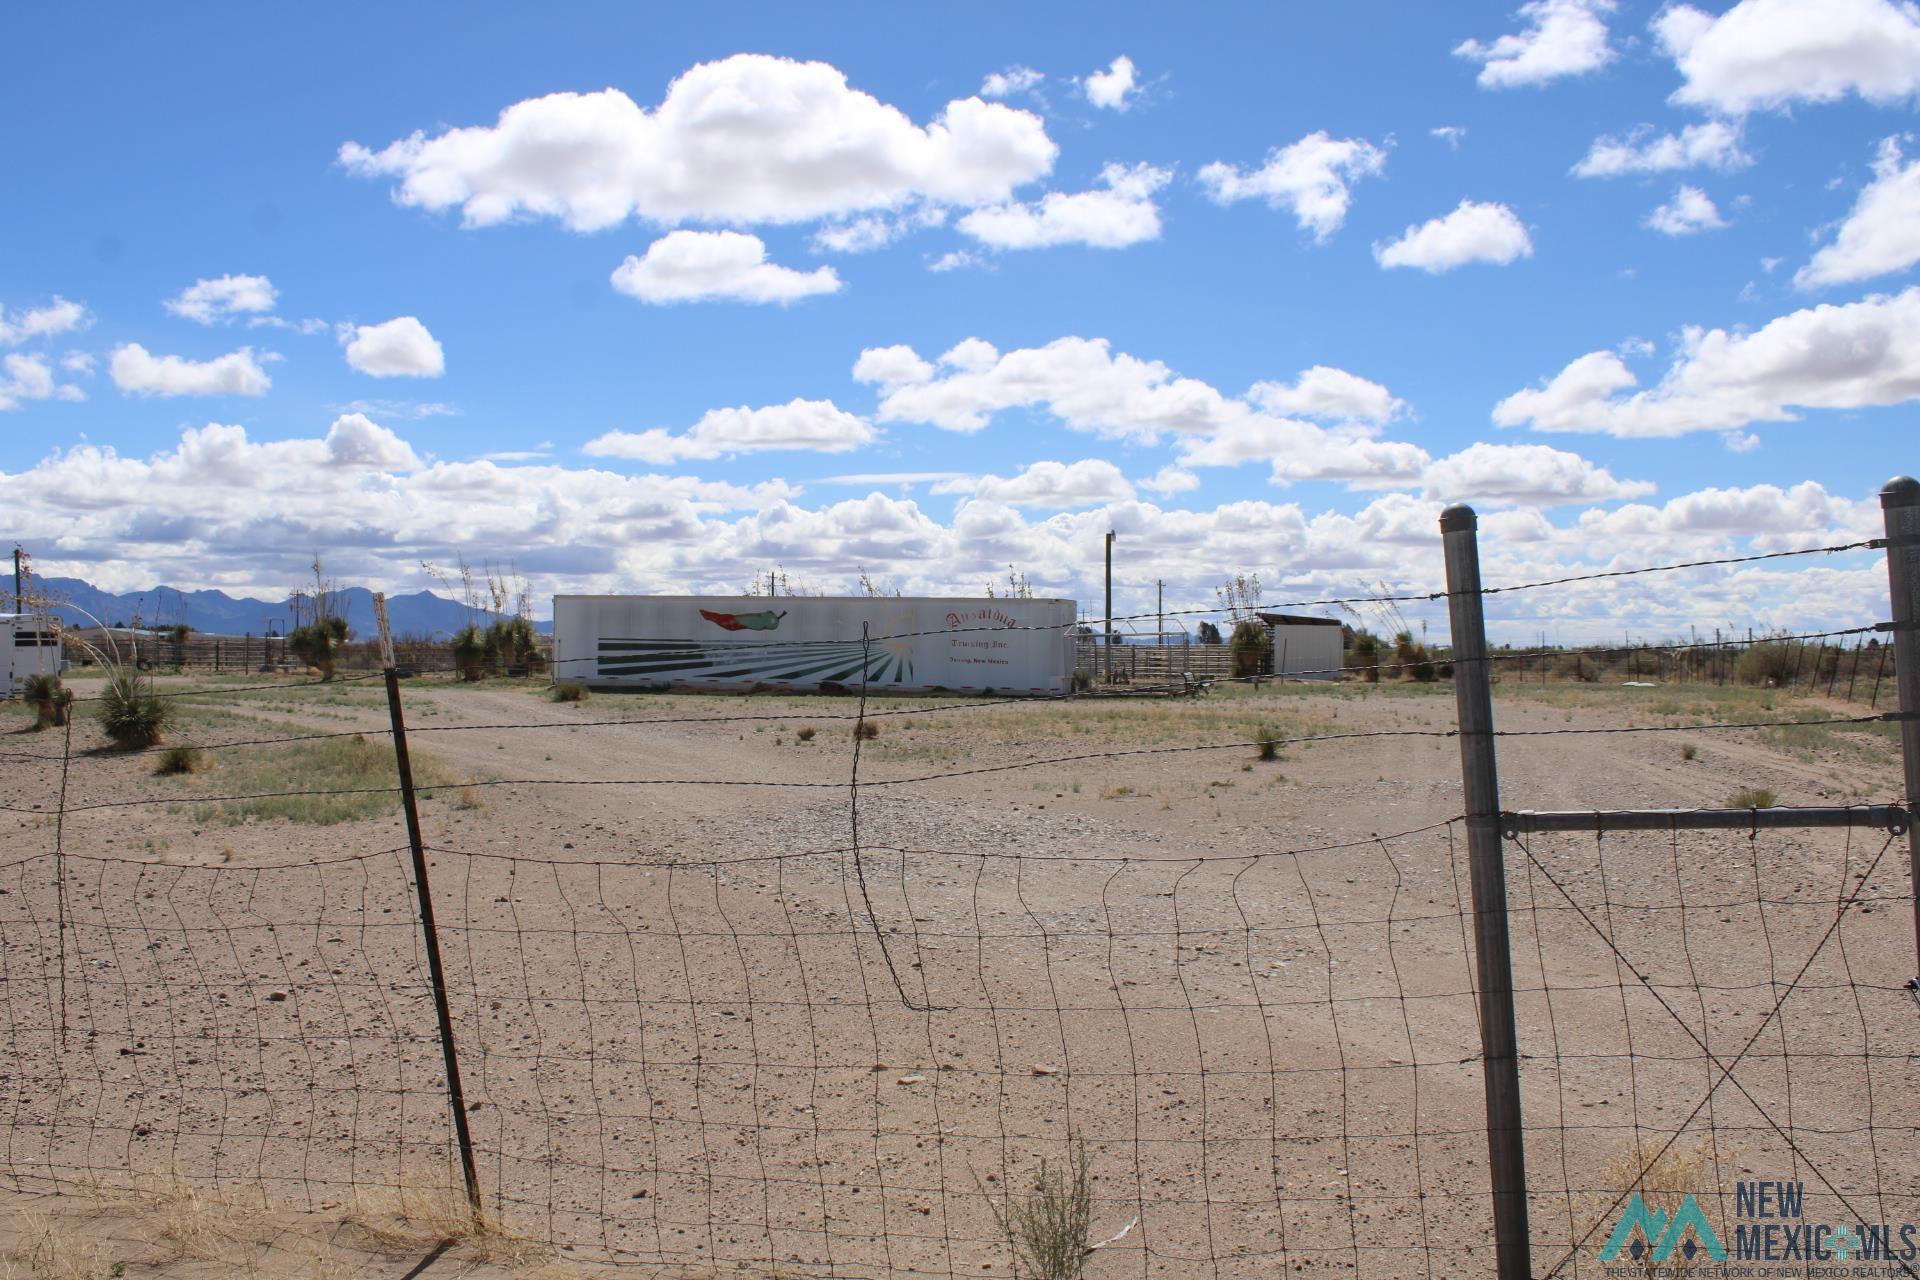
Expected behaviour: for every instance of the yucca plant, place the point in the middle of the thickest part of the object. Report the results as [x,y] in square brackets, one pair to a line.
[318,644]
[470,652]
[49,700]
[131,713]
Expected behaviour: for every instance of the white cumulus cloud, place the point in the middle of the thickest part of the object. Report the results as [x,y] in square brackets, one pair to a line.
[139,372]
[355,440]
[1827,357]
[1331,394]
[746,139]
[1014,80]
[223,298]
[1123,214]
[1882,233]
[1714,144]
[707,266]
[1773,53]
[32,378]
[1525,475]
[1055,485]
[1090,388]
[1310,178]
[817,425]
[1561,38]
[1114,88]
[400,348]
[1473,232]
[1691,210]
[58,316]
[892,366]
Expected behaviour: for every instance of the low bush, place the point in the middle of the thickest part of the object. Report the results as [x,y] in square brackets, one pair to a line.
[1769,664]
[470,652]
[568,691]
[1269,740]
[867,729]
[1415,663]
[179,760]
[1751,798]
[132,715]
[1049,1227]
[804,733]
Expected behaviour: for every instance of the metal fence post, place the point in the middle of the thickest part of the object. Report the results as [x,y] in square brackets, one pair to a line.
[436,972]
[1900,505]
[1500,1064]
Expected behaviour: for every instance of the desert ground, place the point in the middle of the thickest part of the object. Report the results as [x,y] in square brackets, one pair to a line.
[721,1012]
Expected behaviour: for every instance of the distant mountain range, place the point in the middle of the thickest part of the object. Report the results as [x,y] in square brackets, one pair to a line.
[422,613]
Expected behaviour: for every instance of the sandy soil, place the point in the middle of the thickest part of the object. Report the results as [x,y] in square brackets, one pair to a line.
[697,1029]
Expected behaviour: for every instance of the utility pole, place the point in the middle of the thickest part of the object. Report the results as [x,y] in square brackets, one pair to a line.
[1159,612]
[1109,644]
[19,602]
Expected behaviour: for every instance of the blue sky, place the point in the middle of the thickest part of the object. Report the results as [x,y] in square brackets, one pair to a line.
[1644,296]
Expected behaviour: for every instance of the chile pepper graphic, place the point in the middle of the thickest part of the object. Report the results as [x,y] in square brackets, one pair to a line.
[763,621]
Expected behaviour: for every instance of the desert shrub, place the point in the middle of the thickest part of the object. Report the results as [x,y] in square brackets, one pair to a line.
[1206,633]
[318,644]
[867,729]
[1251,646]
[1082,681]
[48,698]
[179,760]
[804,733]
[568,691]
[1751,798]
[1049,1226]
[1768,664]
[1366,656]
[132,715]
[1574,666]
[1688,751]
[470,652]
[1269,739]
[1412,658]
[513,642]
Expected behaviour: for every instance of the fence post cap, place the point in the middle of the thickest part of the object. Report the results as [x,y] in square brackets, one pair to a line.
[1901,491]
[1457,517]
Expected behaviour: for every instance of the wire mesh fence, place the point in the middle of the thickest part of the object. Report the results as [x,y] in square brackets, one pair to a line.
[818,1038]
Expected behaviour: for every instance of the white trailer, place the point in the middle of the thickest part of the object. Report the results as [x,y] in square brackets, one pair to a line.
[1305,647]
[888,642]
[29,645]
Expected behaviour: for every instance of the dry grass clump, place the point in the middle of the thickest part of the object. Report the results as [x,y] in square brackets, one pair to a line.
[47,1250]
[409,1217]
[567,691]
[804,733]
[182,760]
[207,1226]
[866,729]
[1751,798]
[1664,1180]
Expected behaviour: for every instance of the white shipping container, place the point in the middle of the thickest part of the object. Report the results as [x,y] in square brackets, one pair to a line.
[29,645]
[1009,646]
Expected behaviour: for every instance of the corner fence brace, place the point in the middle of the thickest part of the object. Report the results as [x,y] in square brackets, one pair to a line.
[1894,819]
